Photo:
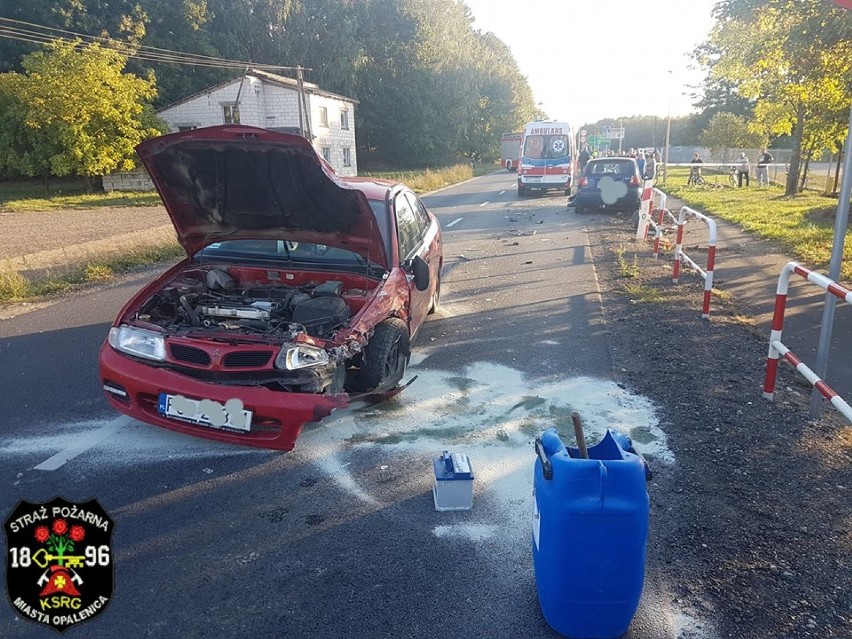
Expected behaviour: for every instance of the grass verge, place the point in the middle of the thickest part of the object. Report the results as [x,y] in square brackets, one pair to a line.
[15,287]
[431,179]
[27,196]
[802,224]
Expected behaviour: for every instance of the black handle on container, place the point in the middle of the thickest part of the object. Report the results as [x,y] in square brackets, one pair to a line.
[648,474]
[546,466]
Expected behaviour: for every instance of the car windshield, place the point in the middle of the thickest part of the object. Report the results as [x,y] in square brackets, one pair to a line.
[622,167]
[288,253]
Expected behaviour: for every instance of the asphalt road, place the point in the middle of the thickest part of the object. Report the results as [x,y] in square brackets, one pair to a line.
[340,538]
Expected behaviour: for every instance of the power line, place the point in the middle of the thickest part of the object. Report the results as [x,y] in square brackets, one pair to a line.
[44,34]
[34,39]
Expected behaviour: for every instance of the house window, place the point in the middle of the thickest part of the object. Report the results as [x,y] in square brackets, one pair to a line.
[231,113]
[347,157]
[323,116]
[344,119]
[326,153]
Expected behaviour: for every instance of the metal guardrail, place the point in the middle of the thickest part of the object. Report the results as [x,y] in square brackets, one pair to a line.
[777,349]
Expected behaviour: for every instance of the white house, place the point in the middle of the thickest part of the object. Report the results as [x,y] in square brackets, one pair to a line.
[265,100]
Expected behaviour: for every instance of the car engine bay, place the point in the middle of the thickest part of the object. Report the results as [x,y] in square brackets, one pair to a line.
[218,303]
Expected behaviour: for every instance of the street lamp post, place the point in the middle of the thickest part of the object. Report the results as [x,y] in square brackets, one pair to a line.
[840,222]
[668,132]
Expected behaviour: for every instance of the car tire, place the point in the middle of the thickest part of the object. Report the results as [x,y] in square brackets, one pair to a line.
[522,190]
[508,165]
[634,218]
[579,209]
[435,303]
[385,357]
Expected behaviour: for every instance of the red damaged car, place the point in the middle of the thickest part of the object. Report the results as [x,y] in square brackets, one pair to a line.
[300,289]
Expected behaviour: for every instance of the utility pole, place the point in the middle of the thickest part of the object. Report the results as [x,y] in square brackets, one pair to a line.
[300,87]
[668,131]
[840,222]
[304,122]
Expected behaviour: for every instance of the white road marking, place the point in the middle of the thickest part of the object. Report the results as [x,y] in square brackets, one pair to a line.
[455,221]
[137,443]
[83,443]
[483,204]
[501,192]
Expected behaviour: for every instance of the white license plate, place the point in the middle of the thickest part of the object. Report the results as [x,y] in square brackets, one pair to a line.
[206,412]
[534,179]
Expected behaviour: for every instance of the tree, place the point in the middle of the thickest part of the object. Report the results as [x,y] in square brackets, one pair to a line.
[430,88]
[75,112]
[649,131]
[793,57]
[727,130]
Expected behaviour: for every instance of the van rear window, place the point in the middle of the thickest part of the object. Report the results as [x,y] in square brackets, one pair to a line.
[619,168]
[539,147]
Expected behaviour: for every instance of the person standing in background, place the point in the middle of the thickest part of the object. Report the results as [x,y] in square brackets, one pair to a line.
[584,158]
[743,169]
[762,168]
[695,171]
[640,162]
[650,167]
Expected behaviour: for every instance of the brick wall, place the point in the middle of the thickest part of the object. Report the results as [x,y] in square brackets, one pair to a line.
[206,109]
[334,137]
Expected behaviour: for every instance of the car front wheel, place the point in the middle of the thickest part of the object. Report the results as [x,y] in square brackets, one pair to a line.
[436,296]
[385,357]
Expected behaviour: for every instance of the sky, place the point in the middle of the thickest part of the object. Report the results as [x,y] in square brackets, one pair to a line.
[591,59]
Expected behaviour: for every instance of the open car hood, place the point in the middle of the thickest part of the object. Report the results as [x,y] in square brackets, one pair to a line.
[239,182]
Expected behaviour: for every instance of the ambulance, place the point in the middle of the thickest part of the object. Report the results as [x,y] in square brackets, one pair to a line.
[548,158]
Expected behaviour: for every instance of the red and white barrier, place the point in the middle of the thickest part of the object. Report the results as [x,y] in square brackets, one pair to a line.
[777,349]
[645,208]
[681,256]
[657,225]
[660,228]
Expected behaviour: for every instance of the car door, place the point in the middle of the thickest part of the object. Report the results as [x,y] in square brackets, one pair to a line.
[433,251]
[417,238]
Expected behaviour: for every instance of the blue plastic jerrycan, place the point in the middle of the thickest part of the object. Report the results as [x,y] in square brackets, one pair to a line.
[590,529]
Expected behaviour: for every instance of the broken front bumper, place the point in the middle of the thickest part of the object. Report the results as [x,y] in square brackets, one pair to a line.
[133,388]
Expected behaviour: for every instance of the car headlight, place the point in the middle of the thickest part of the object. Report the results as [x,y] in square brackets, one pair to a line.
[138,342]
[295,356]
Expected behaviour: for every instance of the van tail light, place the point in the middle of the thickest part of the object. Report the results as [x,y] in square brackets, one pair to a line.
[584,181]
[634,181]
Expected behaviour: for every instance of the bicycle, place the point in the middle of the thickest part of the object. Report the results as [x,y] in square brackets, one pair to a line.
[732,176]
[695,178]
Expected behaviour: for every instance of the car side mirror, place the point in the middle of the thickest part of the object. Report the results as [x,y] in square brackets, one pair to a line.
[421,273]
